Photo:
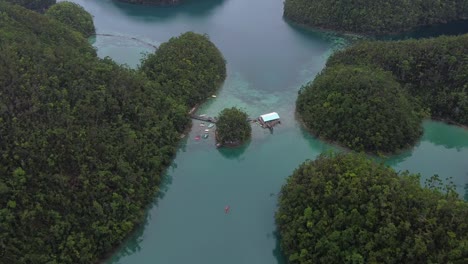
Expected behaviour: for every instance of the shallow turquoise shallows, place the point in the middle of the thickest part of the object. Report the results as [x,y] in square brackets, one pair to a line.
[268,60]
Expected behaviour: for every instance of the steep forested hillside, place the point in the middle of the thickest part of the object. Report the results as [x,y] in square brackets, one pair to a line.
[347,209]
[435,71]
[188,67]
[83,143]
[374,16]
[36,5]
[232,127]
[360,107]
[74,16]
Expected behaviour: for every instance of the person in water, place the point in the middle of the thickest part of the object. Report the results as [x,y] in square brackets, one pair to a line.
[226,209]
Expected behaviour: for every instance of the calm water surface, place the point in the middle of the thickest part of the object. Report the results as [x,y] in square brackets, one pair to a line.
[268,60]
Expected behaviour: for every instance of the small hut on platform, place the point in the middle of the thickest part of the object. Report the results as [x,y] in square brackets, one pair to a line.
[269,120]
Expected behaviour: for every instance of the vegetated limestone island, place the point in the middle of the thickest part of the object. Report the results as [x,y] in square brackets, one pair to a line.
[85,141]
[374,17]
[73,15]
[344,208]
[232,128]
[37,5]
[372,96]
[362,108]
[433,71]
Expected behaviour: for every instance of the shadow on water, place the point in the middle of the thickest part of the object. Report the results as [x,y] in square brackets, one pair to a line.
[394,160]
[192,8]
[442,134]
[318,145]
[234,153]
[338,40]
[280,257]
[133,243]
[128,249]
[449,29]
[466,192]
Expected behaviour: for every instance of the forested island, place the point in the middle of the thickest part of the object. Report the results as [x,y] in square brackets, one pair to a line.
[36,5]
[232,127]
[344,208]
[374,16]
[372,96]
[189,68]
[73,15]
[84,141]
[433,71]
[362,108]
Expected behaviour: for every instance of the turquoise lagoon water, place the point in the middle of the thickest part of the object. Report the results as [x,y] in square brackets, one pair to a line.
[267,60]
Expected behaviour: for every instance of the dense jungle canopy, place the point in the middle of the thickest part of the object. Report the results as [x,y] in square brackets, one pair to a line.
[361,108]
[73,15]
[36,5]
[374,16]
[232,127]
[83,142]
[188,67]
[345,208]
[434,71]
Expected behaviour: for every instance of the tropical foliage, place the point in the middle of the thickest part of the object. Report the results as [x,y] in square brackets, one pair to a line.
[83,143]
[74,16]
[374,16]
[347,209]
[361,108]
[435,71]
[188,68]
[232,127]
[36,5]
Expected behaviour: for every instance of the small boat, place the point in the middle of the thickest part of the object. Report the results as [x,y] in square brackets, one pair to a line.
[207,130]
[205,136]
[202,124]
[214,96]
[197,138]
[202,115]
[210,125]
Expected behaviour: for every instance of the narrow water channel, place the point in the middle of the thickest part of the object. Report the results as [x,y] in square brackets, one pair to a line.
[268,60]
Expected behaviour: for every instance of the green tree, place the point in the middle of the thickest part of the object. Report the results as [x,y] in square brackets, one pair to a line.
[232,127]
[434,71]
[84,143]
[361,108]
[36,5]
[344,208]
[374,16]
[189,68]
[73,15]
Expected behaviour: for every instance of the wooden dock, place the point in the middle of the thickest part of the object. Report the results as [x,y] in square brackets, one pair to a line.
[213,120]
[208,119]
